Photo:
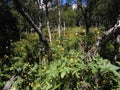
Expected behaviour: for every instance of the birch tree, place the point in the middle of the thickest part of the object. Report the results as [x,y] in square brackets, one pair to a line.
[40,9]
[47,20]
[104,39]
[59,18]
[20,8]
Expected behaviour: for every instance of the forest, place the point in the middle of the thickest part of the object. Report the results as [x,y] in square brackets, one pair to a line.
[59,44]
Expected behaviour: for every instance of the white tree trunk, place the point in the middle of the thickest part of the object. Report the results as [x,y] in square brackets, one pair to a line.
[64,28]
[59,18]
[45,49]
[49,33]
[40,7]
[48,24]
[105,38]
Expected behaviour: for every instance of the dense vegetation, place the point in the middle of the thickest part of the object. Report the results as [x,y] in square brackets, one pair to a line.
[63,65]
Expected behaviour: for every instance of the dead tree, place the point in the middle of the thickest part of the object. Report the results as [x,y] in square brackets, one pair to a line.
[40,9]
[59,18]
[116,43]
[47,20]
[116,48]
[45,49]
[104,39]
[9,84]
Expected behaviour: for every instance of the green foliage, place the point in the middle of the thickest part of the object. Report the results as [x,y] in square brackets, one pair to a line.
[27,49]
[70,72]
[67,71]
[109,50]
[53,20]
[69,17]
[107,11]
[24,54]
[9,31]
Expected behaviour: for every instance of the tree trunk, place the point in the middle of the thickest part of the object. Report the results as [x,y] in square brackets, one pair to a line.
[64,28]
[84,12]
[9,84]
[59,18]
[87,28]
[40,2]
[25,15]
[48,25]
[116,48]
[102,40]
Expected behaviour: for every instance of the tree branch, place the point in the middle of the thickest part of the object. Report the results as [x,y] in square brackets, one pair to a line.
[116,48]
[9,84]
[21,10]
[105,38]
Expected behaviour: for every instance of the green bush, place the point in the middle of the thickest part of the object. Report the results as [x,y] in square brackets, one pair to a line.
[70,72]
[67,71]
[24,52]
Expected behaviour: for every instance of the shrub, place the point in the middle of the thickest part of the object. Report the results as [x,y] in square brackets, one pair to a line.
[70,72]
[67,71]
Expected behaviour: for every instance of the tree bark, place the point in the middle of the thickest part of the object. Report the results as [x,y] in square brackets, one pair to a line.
[9,84]
[64,28]
[48,23]
[116,49]
[21,10]
[40,2]
[102,40]
[59,18]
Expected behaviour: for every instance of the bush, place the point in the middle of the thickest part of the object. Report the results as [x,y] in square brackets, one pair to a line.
[67,71]
[70,72]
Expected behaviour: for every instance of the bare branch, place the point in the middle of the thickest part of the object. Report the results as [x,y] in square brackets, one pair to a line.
[102,40]
[21,10]
[9,84]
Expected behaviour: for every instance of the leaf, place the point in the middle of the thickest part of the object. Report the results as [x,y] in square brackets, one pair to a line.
[113,67]
[56,86]
[34,68]
[48,86]
[63,74]
[27,88]
[19,81]
[116,73]
[24,66]
[94,70]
